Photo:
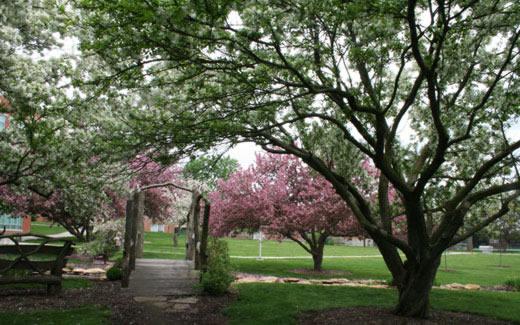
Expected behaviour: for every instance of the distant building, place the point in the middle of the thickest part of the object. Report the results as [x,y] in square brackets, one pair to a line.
[14,224]
[150,226]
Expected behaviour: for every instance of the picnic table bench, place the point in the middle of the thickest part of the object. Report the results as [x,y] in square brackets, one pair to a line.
[40,262]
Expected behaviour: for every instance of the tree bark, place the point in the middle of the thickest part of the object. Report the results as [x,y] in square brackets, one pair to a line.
[317,252]
[317,258]
[414,291]
[175,236]
[469,244]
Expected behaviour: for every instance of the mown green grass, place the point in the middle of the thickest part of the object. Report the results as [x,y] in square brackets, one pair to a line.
[69,283]
[281,303]
[46,228]
[87,315]
[472,268]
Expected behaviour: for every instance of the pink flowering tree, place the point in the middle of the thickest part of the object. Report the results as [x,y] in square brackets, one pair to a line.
[280,195]
[159,201]
[76,207]
[78,202]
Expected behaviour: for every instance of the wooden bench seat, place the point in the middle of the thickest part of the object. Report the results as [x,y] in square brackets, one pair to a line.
[43,262]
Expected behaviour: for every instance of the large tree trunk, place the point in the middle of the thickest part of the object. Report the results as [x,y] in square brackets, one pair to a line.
[414,290]
[75,231]
[89,229]
[317,252]
[317,258]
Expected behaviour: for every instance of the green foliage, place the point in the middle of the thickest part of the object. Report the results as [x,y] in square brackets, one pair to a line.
[114,273]
[513,283]
[210,169]
[329,241]
[217,278]
[118,262]
[104,243]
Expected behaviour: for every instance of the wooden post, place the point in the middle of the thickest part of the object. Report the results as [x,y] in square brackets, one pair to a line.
[190,228]
[204,237]
[127,244]
[134,232]
[196,233]
[139,221]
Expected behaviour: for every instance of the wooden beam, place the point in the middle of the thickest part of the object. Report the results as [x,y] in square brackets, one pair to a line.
[204,237]
[139,221]
[127,243]
[196,232]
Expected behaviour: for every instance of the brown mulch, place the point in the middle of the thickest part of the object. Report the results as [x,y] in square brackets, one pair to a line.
[322,272]
[124,310]
[379,316]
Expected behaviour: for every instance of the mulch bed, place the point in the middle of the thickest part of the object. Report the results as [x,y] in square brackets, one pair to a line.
[124,309]
[379,316]
[322,272]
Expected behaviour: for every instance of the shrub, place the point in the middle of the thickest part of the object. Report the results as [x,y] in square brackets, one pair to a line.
[330,241]
[216,280]
[99,247]
[514,284]
[104,243]
[119,262]
[114,273]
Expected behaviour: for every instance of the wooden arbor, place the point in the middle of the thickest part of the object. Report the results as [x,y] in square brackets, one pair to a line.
[196,231]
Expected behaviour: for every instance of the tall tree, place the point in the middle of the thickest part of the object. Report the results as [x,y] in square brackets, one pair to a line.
[32,88]
[210,169]
[420,88]
[280,196]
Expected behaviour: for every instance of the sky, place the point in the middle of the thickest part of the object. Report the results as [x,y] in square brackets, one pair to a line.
[245,153]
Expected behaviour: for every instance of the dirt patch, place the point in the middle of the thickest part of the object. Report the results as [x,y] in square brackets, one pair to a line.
[103,293]
[500,288]
[378,316]
[322,272]
[125,310]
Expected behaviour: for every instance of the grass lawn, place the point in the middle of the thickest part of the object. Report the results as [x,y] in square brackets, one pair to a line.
[87,315]
[69,283]
[46,228]
[280,303]
[471,268]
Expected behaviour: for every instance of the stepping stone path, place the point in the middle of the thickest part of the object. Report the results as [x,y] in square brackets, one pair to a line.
[168,304]
[379,284]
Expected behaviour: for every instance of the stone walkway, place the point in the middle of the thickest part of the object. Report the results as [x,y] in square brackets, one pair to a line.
[164,287]
[155,277]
